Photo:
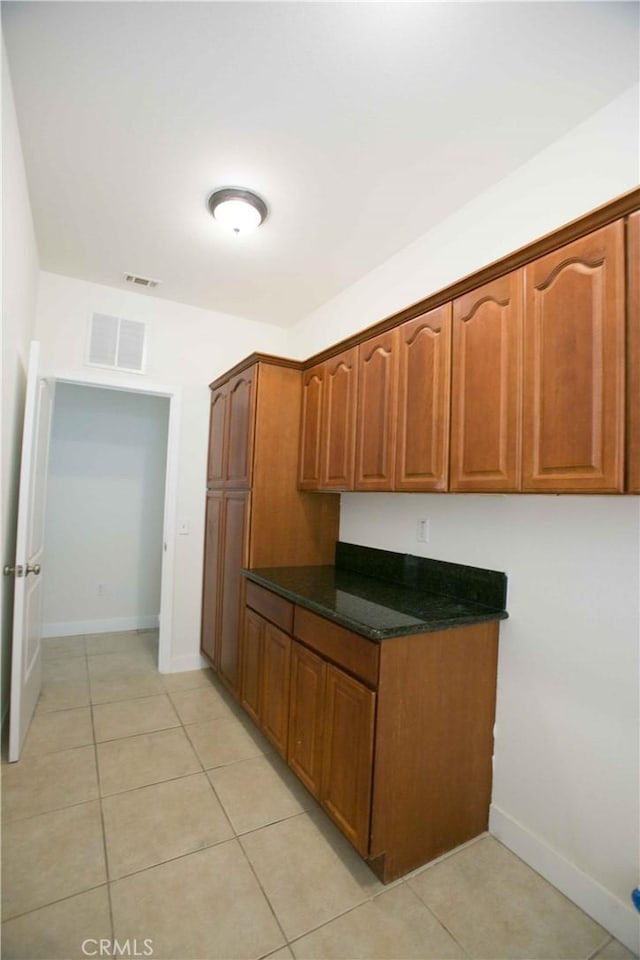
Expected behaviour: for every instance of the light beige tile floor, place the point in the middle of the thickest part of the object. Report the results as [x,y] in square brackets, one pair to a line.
[147,808]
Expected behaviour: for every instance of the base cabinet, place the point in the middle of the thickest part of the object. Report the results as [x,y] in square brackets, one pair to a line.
[264,688]
[347,755]
[394,739]
[306,716]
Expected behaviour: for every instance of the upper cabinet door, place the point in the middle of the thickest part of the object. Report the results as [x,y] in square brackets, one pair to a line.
[240,429]
[574,366]
[376,420]
[486,392]
[339,421]
[311,428]
[422,443]
[633,358]
[217,436]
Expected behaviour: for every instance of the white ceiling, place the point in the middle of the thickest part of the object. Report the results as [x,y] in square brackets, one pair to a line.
[362,125]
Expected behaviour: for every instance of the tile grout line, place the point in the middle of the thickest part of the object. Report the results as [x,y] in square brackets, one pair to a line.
[237,838]
[264,893]
[234,836]
[104,832]
[52,903]
[438,920]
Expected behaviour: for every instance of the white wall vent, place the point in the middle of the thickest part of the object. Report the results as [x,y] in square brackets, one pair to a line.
[140,281]
[117,343]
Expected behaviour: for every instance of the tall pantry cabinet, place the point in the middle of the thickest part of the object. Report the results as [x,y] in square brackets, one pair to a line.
[255,515]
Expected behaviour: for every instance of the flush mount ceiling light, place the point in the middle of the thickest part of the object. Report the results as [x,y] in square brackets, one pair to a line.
[237,209]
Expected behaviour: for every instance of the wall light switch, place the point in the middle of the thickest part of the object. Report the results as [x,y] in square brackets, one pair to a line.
[183,528]
[422,530]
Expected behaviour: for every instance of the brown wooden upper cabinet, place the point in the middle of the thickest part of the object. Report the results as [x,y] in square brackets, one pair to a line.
[311,437]
[486,387]
[574,366]
[339,421]
[424,384]
[231,432]
[217,436]
[328,430]
[376,416]
[633,352]
[241,420]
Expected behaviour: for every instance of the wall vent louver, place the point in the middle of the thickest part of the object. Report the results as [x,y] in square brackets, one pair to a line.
[117,343]
[140,281]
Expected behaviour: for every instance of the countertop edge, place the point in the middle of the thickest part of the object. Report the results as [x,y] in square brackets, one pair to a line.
[427,626]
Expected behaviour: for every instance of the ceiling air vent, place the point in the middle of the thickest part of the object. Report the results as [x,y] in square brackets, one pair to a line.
[140,281]
[117,343]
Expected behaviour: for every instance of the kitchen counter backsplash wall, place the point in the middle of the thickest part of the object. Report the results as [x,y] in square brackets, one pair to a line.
[565,792]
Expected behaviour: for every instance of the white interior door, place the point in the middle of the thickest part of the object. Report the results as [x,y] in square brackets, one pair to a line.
[26,668]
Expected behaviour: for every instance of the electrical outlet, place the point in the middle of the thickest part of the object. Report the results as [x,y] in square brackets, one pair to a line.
[422,530]
[101,589]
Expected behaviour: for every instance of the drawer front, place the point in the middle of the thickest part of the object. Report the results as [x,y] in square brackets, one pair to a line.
[270,605]
[348,650]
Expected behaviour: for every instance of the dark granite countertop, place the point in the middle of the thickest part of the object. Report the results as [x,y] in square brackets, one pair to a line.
[406,595]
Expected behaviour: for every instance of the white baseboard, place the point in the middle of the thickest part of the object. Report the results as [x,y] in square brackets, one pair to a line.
[76,628]
[180,664]
[620,919]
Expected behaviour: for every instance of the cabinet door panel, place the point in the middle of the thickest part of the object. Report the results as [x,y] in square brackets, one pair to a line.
[236,509]
[633,348]
[348,755]
[486,387]
[376,422]
[574,366]
[217,436]
[339,421]
[240,429]
[306,710]
[422,455]
[211,577]
[275,686]
[252,649]
[311,428]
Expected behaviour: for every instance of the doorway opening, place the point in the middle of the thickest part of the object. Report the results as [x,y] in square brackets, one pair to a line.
[111,511]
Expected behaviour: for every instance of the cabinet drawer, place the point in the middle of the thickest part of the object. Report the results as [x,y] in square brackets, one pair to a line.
[270,605]
[348,650]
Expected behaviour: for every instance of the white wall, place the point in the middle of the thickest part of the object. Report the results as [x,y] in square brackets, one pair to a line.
[19,286]
[591,164]
[565,792]
[105,510]
[187,348]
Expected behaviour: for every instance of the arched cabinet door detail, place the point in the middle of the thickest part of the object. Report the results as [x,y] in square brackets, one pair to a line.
[424,383]
[575,365]
[377,399]
[240,429]
[486,394]
[311,428]
[339,423]
[217,436]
